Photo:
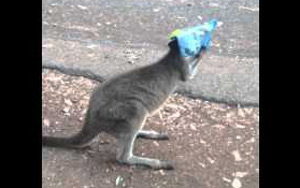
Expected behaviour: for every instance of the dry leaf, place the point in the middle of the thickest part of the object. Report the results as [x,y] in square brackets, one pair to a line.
[240,126]
[46,122]
[237,156]
[219,126]
[248,110]
[226,179]
[82,7]
[241,112]
[193,127]
[240,174]
[119,180]
[156,144]
[68,102]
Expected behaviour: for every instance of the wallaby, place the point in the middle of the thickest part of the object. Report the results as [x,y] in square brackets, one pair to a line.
[121,105]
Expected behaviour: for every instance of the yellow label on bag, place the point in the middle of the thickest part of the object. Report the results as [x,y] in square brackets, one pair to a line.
[175,33]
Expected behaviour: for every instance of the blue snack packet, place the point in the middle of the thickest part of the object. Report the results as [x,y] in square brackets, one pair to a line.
[193,39]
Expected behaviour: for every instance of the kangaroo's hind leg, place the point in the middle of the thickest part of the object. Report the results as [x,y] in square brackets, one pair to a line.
[125,138]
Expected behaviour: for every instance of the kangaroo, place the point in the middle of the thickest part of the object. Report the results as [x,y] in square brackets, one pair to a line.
[121,105]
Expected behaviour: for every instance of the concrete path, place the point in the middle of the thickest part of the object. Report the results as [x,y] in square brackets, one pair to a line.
[99,39]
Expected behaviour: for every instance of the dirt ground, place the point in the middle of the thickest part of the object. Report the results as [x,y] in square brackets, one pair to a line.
[212,145]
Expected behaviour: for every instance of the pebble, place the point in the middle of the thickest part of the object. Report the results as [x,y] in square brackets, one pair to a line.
[236,183]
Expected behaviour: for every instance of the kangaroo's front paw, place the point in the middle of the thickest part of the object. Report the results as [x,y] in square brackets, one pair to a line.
[165,165]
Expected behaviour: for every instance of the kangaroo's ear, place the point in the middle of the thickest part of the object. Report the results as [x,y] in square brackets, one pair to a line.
[173,45]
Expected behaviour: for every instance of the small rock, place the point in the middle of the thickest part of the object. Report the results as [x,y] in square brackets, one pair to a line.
[66,109]
[236,183]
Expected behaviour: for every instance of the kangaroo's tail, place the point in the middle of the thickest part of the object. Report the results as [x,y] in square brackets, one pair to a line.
[79,140]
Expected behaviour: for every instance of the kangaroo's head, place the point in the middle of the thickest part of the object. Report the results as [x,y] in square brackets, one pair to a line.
[187,66]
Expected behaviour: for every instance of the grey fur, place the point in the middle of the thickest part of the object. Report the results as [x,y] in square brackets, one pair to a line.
[121,105]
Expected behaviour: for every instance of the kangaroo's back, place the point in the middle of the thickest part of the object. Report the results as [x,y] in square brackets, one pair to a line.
[150,85]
